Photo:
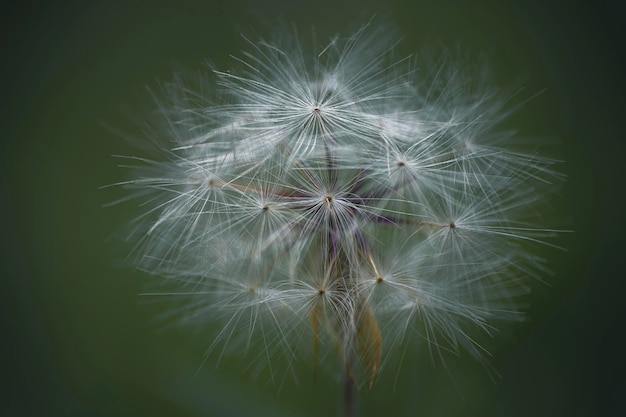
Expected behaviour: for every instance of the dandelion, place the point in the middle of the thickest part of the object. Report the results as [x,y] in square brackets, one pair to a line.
[332,205]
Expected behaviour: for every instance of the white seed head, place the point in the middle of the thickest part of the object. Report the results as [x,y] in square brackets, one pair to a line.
[340,201]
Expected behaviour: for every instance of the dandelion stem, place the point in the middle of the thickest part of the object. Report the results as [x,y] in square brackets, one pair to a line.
[349,392]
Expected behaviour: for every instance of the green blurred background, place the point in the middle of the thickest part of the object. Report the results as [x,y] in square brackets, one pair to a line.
[77,341]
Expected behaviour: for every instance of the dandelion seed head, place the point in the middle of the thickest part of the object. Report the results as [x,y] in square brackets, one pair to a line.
[341,201]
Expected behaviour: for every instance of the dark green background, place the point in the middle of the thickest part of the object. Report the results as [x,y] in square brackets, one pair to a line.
[77,341]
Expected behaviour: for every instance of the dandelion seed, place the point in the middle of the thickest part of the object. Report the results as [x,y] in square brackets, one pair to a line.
[334,203]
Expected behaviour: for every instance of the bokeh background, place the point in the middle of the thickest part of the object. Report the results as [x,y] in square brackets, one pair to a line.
[76,339]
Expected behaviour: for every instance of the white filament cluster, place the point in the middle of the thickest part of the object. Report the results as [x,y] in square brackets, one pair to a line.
[339,201]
